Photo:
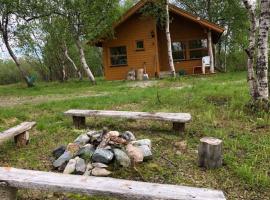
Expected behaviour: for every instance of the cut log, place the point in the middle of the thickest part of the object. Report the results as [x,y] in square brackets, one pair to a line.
[17,130]
[7,193]
[210,153]
[79,122]
[179,127]
[118,188]
[22,139]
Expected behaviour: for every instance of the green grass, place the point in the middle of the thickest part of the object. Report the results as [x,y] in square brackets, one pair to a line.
[217,106]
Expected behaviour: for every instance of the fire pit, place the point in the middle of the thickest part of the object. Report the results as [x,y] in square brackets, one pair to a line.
[93,151]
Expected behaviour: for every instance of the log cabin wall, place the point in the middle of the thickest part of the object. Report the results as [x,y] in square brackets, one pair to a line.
[182,30]
[136,28]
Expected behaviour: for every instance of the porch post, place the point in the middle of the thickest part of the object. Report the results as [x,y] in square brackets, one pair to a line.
[210,51]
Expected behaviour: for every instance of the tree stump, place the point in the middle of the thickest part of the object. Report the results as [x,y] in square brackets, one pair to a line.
[179,127]
[79,122]
[22,139]
[210,153]
[7,193]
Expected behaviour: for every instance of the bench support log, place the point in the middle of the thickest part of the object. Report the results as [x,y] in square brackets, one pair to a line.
[79,122]
[7,193]
[179,127]
[210,153]
[22,139]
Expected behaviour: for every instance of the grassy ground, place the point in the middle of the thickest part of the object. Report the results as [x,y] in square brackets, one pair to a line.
[215,102]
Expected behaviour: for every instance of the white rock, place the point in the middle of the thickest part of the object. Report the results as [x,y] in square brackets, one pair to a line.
[70,168]
[100,172]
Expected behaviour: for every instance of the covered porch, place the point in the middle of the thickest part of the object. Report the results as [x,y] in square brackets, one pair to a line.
[192,47]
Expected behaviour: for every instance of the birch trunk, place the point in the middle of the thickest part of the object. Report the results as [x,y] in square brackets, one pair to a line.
[84,63]
[64,74]
[13,56]
[169,42]
[210,51]
[251,78]
[262,57]
[72,62]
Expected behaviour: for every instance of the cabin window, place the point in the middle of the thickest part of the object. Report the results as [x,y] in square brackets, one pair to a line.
[139,45]
[198,48]
[178,51]
[118,56]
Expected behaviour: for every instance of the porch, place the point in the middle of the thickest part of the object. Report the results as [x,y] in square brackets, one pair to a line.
[192,48]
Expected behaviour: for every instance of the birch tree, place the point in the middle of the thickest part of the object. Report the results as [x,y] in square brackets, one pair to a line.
[168,37]
[10,17]
[65,49]
[88,20]
[259,22]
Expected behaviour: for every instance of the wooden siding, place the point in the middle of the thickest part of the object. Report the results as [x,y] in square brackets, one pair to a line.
[182,29]
[133,29]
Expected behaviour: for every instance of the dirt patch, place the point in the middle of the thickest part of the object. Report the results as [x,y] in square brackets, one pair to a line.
[17,100]
[143,84]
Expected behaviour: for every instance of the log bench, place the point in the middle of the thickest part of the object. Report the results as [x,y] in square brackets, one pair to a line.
[178,119]
[19,133]
[12,179]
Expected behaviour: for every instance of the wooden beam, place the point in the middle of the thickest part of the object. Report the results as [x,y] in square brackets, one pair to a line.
[172,117]
[125,189]
[17,130]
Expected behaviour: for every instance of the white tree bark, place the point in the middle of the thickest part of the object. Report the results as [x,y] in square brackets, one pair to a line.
[71,61]
[262,57]
[210,52]
[84,63]
[169,42]
[251,78]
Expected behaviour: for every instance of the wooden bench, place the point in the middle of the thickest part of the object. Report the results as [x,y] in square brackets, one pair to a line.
[11,179]
[178,119]
[19,133]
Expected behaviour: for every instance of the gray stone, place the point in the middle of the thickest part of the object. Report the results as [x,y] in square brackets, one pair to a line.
[86,151]
[91,133]
[147,154]
[102,156]
[70,168]
[80,165]
[82,139]
[121,157]
[88,170]
[58,151]
[66,156]
[100,172]
[97,137]
[128,136]
[143,142]
[99,165]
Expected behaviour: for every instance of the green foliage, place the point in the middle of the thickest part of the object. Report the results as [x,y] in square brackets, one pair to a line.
[10,74]
[157,11]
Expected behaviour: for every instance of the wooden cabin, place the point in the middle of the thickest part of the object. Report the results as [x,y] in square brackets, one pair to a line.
[139,43]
